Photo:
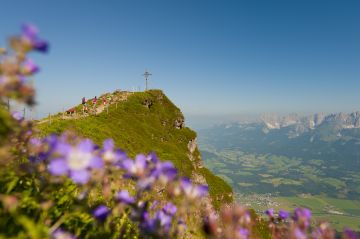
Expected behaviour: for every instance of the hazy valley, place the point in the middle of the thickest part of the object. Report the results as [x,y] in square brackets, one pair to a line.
[290,161]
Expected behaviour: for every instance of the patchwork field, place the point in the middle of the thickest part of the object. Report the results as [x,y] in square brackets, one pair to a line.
[272,181]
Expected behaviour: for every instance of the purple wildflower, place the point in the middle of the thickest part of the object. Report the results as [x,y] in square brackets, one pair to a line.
[283,215]
[244,233]
[109,154]
[96,162]
[145,183]
[108,145]
[302,216]
[169,209]
[36,142]
[101,213]
[124,197]
[17,115]
[164,219]
[41,46]
[135,168]
[30,67]
[270,212]
[58,146]
[148,226]
[349,234]
[81,157]
[58,167]
[193,191]
[202,190]
[60,234]
[152,157]
[80,176]
[166,172]
[52,141]
[77,161]
[29,30]
[30,34]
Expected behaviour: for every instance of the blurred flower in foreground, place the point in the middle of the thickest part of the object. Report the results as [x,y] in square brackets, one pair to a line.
[75,161]
[30,37]
[15,66]
[60,234]
[101,213]
[349,234]
[29,67]
[124,197]
[17,115]
[270,212]
[283,215]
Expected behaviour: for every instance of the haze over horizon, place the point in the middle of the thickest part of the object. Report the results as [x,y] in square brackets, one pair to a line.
[210,58]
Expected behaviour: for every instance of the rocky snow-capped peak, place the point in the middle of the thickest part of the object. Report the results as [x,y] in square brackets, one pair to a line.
[306,123]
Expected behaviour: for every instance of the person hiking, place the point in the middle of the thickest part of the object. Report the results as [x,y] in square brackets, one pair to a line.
[95,100]
[104,101]
[83,101]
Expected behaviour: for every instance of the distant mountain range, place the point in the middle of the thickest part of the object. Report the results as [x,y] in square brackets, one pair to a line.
[331,127]
[332,141]
[298,125]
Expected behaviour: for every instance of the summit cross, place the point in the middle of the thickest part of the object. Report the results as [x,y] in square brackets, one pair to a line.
[146,75]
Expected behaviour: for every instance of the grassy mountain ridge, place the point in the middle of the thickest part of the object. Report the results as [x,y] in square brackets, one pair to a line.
[143,122]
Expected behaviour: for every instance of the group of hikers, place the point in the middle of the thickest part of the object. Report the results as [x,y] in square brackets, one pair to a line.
[94,101]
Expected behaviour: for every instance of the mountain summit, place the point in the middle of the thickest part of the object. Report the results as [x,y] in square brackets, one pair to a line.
[141,122]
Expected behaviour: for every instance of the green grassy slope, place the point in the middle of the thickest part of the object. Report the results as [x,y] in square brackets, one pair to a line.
[137,128]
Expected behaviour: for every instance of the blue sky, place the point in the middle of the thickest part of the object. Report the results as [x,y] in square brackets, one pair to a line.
[210,57]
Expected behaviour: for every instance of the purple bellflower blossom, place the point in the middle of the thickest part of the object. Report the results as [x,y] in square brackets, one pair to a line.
[193,191]
[124,197]
[165,172]
[157,225]
[270,212]
[302,216]
[110,154]
[76,161]
[283,215]
[30,35]
[135,168]
[29,67]
[170,209]
[101,213]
